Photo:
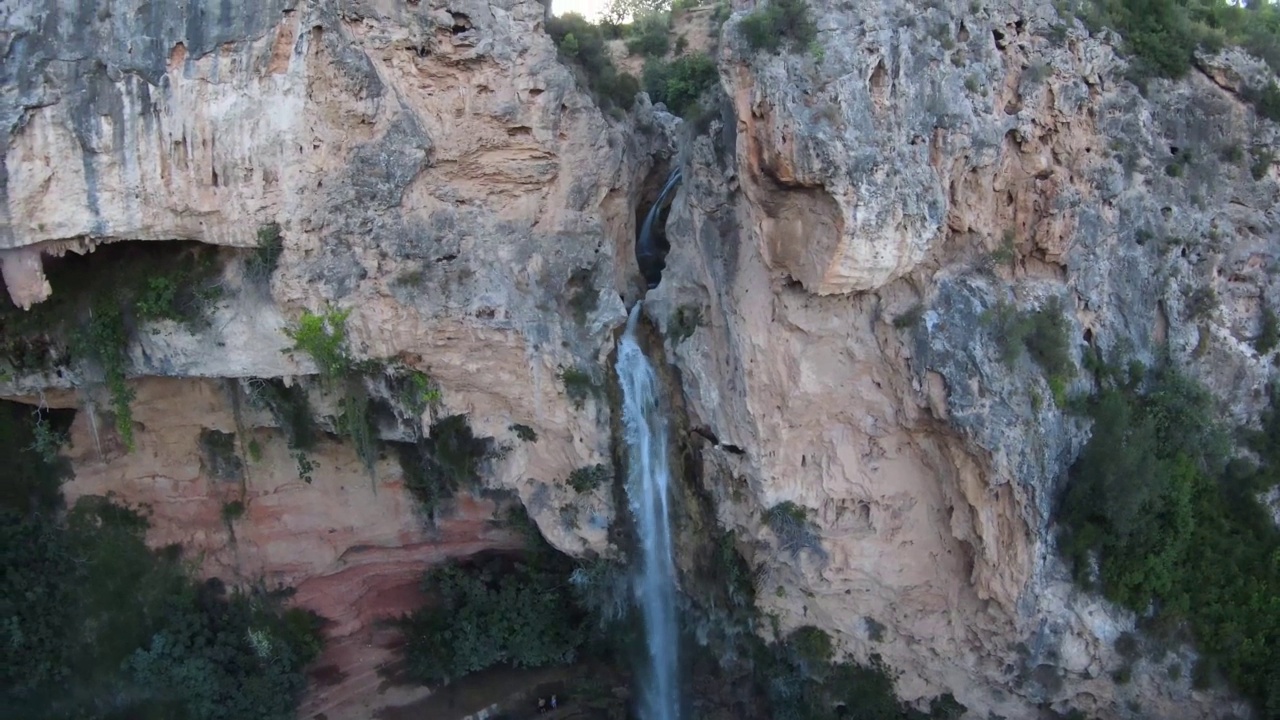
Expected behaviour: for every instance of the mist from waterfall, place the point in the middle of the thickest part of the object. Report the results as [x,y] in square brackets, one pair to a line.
[648,482]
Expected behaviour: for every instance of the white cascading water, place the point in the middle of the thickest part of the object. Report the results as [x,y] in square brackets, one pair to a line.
[648,479]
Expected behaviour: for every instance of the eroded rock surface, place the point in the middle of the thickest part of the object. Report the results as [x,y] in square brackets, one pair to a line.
[434,169]
[927,165]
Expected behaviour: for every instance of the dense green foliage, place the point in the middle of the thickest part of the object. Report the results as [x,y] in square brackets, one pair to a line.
[493,612]
[1044,334]
[583,44]
[681,82]
[1163,35]
[1175,530]
[324,337]
[95,308]
[96,625]
[650,35]
[449,459]
[588,477]
[781,22]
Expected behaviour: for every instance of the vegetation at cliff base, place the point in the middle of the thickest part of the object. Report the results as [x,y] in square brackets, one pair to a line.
[1159,518]
[97,625]
[495,611]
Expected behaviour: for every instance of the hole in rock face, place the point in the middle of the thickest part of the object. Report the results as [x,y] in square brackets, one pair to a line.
[122,284]
[461,23]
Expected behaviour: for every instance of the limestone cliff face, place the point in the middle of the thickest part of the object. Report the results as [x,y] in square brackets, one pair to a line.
[434,169]
[934,161]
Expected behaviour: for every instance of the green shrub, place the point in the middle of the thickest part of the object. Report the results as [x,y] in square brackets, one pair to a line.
[588,477]
[91,613]
[261,264]
[324,338]
[578,385]
[910,318]
[1268,331]
[801,680]
[1173,526]
[680,83]
[1266,101]
[796,533]
[684,322]
[650,35]
[582,44]
[448,460]
[1261,164]
[778,23]
[232,511]
[524,432]
[1044,333]
[496,612]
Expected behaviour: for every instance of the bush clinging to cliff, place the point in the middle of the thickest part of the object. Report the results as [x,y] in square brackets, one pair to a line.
[681,82]
[1175,531]
[583,44]
[778,23]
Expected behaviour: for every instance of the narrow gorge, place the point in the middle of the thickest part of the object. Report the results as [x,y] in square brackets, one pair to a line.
[794,359]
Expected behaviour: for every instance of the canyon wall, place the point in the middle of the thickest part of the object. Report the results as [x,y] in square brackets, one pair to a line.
[845,223]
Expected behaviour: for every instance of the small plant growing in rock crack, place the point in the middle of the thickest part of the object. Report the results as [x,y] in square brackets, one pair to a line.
[569,516]
[796,533]
[1201,302]
[305,466]
[588,478]
[324,337]
[684,322]
[232,511]
[578,385]
[261,264]
[1006,253]
[524,432]
[910,318]
[778,23]
[1268,333]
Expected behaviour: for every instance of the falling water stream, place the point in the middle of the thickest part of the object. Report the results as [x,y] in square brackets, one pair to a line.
[648,479]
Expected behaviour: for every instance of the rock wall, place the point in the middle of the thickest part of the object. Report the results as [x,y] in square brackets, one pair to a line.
[435,170]
[843,230]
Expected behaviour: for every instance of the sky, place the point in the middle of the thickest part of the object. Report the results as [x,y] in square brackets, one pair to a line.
[588,8]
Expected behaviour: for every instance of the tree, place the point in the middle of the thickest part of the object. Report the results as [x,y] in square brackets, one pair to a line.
[623,11]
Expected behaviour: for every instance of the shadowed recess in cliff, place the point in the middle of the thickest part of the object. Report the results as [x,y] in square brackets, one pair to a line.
[651,243]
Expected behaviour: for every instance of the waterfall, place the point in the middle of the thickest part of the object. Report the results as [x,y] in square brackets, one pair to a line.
[648,256]
[648,478]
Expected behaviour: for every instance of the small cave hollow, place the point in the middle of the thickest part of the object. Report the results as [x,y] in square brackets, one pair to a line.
[652,211]
[116,288]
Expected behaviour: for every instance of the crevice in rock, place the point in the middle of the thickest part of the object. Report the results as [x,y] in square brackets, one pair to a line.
[651,243]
